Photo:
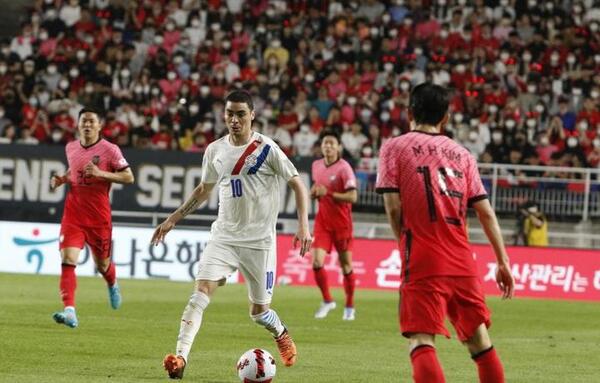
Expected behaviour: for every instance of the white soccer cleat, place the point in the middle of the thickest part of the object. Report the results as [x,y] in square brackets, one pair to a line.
[348,313]
[324,309]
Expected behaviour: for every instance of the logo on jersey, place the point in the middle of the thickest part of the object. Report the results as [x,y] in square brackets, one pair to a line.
[332,178]
[96,160]
[122,162]
[250,161]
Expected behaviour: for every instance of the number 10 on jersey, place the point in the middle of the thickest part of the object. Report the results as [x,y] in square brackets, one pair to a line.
[236,188]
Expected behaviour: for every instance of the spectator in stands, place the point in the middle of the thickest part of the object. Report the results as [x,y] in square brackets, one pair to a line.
[534,226]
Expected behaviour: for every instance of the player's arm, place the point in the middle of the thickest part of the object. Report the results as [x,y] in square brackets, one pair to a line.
[57,180]
[198,196]
[393,211]
[124,176]
[488,220]
[303,234]
[348,196]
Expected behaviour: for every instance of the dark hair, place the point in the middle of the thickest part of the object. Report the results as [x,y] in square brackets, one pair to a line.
[240,96]
[89,110]
[429,103]
[330,132]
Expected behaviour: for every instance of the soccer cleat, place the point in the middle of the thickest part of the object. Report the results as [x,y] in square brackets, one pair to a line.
[66,317]
[174,364]
[114,295]
[348,313]
[324,309]
[287,348]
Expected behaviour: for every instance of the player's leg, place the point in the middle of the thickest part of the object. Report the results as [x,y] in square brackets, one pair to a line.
[471,318]
[344,249]
[422,315]
[100,241]
[259,270]
[70,244]
[218,261]
[321,247]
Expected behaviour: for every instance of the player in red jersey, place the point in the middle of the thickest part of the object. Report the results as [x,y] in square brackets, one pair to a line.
[94,164]
[428,182]
[334,185]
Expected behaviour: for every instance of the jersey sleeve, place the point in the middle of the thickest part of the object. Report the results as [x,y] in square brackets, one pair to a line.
[348,177]
[387,173]
[209,172]
[313,169]
[475,189]
[118,161]
[281,164]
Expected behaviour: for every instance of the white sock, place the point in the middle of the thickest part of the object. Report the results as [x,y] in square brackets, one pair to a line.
[190,323]
[269,320]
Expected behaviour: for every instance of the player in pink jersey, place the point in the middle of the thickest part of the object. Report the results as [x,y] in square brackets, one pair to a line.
[334,185]
[428,182]
[94,164]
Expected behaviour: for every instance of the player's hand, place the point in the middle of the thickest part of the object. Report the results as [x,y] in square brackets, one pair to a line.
[161,231]
[505,281]
[57,181]
[303,236]
[320,190]
[91,170]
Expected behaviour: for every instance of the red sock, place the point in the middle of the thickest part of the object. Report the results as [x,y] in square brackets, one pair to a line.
[349,283]
[426,366]
[489,366]
[321,279]
[68,284]
[110,275]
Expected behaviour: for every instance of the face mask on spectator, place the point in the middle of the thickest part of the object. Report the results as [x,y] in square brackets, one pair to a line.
[215,27]
[125,73]
[549,5]
[267,113]
[572,142]
[388,67]
[374,32]
[365,114]
[304,128]
[366,48]
[418,51]
[177,60]
[276,43]
[63,84]
[170,27]
[531,88]
[386,18]
[384,116]
[194,108]
[460,68]
[195,23]
[171,75]
[503,3]
[544,141]
[51,69]
[497,137]
[309,78]
[204,90]
[56,136]
[597,58]
[408,21]
[404,85]
[237,28]
[261,29]
[583,125]
[539,108]
[442,2]
[138,89]
[596,143]
[576,91]
[443,33]
[184,42]
[51,14]
[74,72]
[510,124]
[81,54]
[473,136]
[33,101]
[89,88]
[108,70]
[172,109]
[195,76]
[594,27]
[226,44]
[532,3]
[158,39]
[571,59]
[474,122]
[155,91]
[3,69]
[43,35]
[554,57]
[458,117]
[577,9]
[527,57]
[594,94]
[351,101]
[462,2]
[1,113]
[531,122]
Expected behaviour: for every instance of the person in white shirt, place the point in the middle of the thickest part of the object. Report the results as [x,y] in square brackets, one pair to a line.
[246,166]
[304,140]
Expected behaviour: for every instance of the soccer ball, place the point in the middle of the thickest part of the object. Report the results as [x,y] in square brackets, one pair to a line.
[256,365]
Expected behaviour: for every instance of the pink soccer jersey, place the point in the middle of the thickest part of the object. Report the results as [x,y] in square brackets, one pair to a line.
[437,179]
[87,202]
[337,177]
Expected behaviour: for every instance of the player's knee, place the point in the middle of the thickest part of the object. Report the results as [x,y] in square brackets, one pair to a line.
[199,300]
[261,318]
[419,340]
[480,341]
[257,310]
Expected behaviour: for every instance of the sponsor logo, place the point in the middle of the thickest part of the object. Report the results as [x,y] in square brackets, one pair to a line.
[34,255]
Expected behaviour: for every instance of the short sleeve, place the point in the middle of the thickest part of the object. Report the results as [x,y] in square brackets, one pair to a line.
[313,171]
[280,163]
[348,177]
[387,172]
[476,191]
[209,173]
[118,162]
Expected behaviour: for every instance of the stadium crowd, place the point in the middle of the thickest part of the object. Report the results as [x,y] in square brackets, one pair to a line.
[525,74]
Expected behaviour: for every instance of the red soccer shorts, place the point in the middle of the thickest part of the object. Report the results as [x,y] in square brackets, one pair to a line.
[326,239]
[425,303]
[98,238]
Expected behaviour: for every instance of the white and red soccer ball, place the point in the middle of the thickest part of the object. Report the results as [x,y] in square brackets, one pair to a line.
[256,366]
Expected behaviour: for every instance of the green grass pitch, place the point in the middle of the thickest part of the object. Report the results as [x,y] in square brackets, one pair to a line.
[538,340]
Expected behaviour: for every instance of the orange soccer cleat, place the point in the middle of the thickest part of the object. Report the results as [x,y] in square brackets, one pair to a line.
[174,366]
[287,348]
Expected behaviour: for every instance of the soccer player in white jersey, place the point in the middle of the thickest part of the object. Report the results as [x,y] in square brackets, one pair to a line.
[246,166]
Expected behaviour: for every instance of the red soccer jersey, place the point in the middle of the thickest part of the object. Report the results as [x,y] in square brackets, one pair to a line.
[437,179]
[337,177]
[87,202]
